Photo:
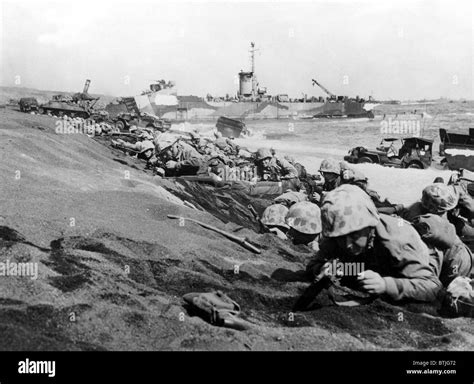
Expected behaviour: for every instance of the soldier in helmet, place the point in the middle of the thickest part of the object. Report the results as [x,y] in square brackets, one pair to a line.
[437,198]
[145,149]
[449,255]
[181,158]
[394,259]
[199,143]
[226,145]
[290,197]
[272,168]
[463,216]
[446,201]
[330,170]
[304,222]
[336,173]
[273,218]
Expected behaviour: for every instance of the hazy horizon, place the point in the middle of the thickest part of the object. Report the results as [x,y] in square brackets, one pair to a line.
[390,50]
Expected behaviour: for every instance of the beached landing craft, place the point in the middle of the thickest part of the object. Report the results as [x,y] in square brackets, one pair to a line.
[458,149]
[231,127]
[251,102]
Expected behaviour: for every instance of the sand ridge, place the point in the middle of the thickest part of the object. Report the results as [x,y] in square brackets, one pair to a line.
[114,280]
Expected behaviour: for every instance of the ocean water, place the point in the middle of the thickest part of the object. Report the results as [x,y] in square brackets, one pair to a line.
[311,141]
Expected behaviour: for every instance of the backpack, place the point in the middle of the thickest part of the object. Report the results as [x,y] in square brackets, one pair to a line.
[216,308]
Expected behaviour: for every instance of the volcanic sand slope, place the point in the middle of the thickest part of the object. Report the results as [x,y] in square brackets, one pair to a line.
[115,278]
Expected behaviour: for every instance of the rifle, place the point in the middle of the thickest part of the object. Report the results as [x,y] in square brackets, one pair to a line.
[327,280]
[210,179]
[123,134]
[244,243]
[263,227]
[320,282]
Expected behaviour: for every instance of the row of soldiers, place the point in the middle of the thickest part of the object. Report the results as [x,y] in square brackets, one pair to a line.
[196,155]
[185,156]
[409,253]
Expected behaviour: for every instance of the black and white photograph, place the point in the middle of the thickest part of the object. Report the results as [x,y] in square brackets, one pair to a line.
[237,176]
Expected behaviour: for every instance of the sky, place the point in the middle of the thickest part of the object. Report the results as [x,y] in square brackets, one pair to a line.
[388,49]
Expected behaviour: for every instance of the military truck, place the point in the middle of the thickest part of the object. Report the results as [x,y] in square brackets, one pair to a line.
[410,152]
[28,104]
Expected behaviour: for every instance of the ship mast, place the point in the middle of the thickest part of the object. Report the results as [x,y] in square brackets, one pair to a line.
[252,62]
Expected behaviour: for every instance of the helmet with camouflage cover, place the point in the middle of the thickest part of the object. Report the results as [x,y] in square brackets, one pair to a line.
[275,215]
[330,166]
[439,198]
[347,209]
[304,217]
[263,153]
[291,197]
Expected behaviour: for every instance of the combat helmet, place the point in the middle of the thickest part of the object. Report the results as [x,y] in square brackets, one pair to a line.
[290,197]
[263,153]
[147,145]
[330,166]
[439,198]
[275,215]
[304,217]
[347,209]
[163,143]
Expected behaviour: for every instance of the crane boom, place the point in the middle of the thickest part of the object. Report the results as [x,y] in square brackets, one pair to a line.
[323,88]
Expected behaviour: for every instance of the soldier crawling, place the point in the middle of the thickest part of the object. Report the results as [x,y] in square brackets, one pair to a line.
[143,147]
[397,261]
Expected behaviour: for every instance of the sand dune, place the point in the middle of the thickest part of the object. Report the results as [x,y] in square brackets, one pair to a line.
[112,268]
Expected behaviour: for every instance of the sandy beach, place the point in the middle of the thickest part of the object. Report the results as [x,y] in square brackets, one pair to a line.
[112,268]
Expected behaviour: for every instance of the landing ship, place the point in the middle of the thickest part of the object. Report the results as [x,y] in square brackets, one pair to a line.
[250,102]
